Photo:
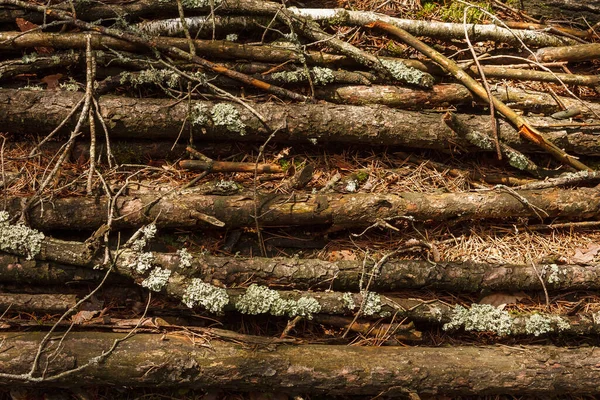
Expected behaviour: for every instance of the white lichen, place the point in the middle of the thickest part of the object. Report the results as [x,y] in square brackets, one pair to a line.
[481,318]
[538,324]
[371,303]
[348,301]
[199,115]
[401,72]
[157,279]
[436,313]
[185,258]
[322,76]
[227,115]
[70,86]
[226,186]
[19,238]
[351,186]
[290,76]
[262,300]
[142,262]
[553,273]
[212,298]
[232,37]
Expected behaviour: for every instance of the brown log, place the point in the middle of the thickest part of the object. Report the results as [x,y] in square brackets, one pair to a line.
[228,166]
[337,210]
[55,265]
[580,52]
[152,119]
[578,10]
[174,361]
[37,303]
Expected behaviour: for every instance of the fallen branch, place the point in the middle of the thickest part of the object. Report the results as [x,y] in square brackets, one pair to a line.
[523,125]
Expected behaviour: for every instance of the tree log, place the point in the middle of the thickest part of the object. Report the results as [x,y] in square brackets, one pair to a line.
[186,209]
[577,10]
[54,265]
[146,360]
[162,119]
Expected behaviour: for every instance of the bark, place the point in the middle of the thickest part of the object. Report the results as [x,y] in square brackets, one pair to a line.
[37,303]
[580,52]
[189,210]
[438,30]
[143,360]
[542,76]
[578,10]
[156,119]
[218,49]
[54,265]
[17,269]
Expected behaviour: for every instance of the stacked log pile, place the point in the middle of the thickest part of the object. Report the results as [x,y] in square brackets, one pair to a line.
[371,199]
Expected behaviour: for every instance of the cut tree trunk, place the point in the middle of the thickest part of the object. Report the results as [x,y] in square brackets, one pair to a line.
[172,360]
[27,111]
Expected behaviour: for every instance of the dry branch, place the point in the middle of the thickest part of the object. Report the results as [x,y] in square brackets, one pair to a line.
[21,111]
[53,266]
[580,52]
[186,209]
[525,128]
[176,362]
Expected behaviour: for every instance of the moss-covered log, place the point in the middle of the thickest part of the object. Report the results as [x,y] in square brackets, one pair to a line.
[24,111]
[174,361]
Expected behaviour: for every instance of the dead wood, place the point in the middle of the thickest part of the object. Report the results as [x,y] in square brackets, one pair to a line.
[24,111]
[54,265]
[186,209]
[37,303]
[174,361]
[576,10]
[580,52]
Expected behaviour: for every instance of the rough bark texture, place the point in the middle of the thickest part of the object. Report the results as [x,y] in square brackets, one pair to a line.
[297,273]
[188,210]
[562,9]
[173,361]
[27,111]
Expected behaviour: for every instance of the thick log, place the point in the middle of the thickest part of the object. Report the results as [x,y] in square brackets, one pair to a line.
[580,52]
[37,303]
[174,361]
[189,210]
[146,119]
[577,10]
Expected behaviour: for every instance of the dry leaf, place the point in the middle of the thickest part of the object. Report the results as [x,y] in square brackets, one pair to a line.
[347,255]
[499,300]
[25,26]
[83,316]
[52,81]
[586,256]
